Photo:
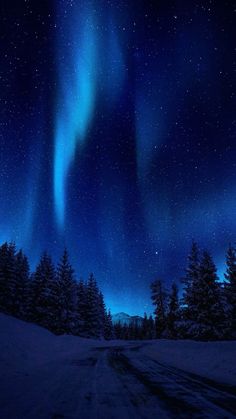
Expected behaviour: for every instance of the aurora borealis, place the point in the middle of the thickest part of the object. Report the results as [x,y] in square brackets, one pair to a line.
[80,47]
[118,136]
[76,96]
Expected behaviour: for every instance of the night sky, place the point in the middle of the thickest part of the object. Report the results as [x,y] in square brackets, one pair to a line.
[117,136]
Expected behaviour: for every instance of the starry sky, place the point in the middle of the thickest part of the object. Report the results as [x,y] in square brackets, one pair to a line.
[117,136]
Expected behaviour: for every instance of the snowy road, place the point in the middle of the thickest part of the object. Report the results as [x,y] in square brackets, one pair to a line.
[111,382]
[176,393]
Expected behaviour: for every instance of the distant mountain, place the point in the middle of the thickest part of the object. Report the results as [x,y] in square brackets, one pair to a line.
[125,318]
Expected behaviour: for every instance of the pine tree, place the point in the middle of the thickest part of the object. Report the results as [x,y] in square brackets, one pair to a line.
[137,330]
[151,328]
[173,314]
[118,330]
[130,333]
[22,286]
[81,307]
[93,318]
[159,302]
[108,327]
[3,267]
[210,320]
[102,314]
[126,332]
[68,315]
[51,298]
[189,281]
[145,327]
[7,278]
[230,287]
[44,298]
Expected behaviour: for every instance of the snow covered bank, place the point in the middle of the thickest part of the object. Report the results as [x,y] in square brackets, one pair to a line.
[213,360]
[25,345]
[44,376]
[41,374]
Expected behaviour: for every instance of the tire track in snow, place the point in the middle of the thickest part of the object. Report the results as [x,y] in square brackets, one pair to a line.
[183,394]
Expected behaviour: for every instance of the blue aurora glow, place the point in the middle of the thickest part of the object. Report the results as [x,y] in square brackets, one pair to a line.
[86,59]
[76,98]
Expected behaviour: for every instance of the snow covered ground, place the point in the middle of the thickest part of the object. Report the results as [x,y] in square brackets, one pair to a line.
[48,377]
[213,360]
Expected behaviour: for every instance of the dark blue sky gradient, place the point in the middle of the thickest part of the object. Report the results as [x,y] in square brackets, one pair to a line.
[117,136]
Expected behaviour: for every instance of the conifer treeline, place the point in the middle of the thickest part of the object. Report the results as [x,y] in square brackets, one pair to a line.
[142,329]
[51,297]
[207,309]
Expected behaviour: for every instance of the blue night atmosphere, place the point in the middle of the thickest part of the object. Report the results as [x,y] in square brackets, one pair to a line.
[117,136]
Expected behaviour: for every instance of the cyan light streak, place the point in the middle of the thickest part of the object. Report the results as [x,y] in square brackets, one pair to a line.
[77,91]
[90,61]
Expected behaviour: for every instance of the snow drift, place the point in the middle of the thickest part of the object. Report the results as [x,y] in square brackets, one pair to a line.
[47,376]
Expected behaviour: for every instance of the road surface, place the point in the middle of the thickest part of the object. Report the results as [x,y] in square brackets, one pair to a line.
[115,382]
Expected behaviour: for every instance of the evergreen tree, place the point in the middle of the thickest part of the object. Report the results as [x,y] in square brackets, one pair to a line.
[189,282]
[7,278]
[22,286]
[102,314]
[151,328]
[145,327]
[51,298]
[44,297]
[81,307]
[210,320]
[3,269]
[129,332]
[118,330]
[137,330]
[67,290]
[173,312]
[93,318]
[159,302]
[108,327]
[126,333]
[230,287]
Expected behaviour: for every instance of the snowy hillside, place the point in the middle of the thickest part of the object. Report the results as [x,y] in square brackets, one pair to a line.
[54,377]
[125,318]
